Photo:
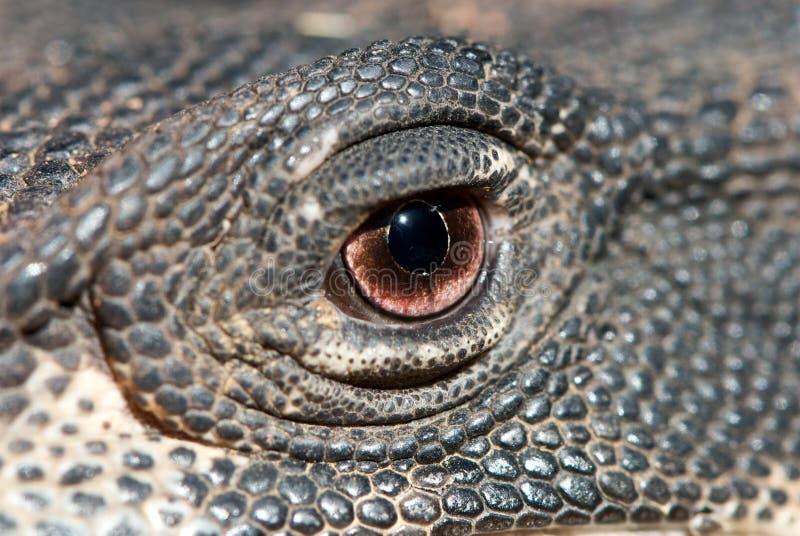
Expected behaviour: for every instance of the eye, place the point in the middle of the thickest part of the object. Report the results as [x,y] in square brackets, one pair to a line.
[414,229]
[419,257]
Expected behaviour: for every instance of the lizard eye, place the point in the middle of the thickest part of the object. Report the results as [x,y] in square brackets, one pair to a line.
[419,257]
[414,234]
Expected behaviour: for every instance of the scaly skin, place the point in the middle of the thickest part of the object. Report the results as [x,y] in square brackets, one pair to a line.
[631,359]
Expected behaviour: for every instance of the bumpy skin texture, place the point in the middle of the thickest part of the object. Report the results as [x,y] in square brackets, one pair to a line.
[631,358]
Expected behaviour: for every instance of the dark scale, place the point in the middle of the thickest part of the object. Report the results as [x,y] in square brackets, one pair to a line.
[418,238]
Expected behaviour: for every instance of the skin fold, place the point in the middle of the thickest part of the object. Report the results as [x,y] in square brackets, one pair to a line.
[177,183]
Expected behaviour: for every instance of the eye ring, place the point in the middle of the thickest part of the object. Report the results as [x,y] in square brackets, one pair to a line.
[433,261]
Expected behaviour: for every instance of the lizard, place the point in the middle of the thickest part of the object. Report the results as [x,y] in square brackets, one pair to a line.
[178,184]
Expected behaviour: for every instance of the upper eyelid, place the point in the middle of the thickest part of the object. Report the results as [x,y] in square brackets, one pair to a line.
[498,165]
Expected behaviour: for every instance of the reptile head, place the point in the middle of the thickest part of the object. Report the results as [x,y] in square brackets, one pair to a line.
[623,354]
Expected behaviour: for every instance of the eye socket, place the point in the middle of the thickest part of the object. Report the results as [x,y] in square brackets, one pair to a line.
[328,353]
[419,257]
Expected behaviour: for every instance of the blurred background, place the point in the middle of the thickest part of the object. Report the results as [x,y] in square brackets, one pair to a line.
[39,29]
[123,46]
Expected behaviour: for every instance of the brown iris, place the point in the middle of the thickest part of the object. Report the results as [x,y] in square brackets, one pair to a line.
[419,257]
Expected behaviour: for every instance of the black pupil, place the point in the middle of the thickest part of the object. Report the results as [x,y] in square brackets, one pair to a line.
[418,238]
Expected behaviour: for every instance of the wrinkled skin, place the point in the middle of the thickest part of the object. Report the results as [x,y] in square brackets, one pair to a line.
[630,360]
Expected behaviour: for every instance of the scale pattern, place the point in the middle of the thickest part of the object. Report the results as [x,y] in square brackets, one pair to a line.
[649,374]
